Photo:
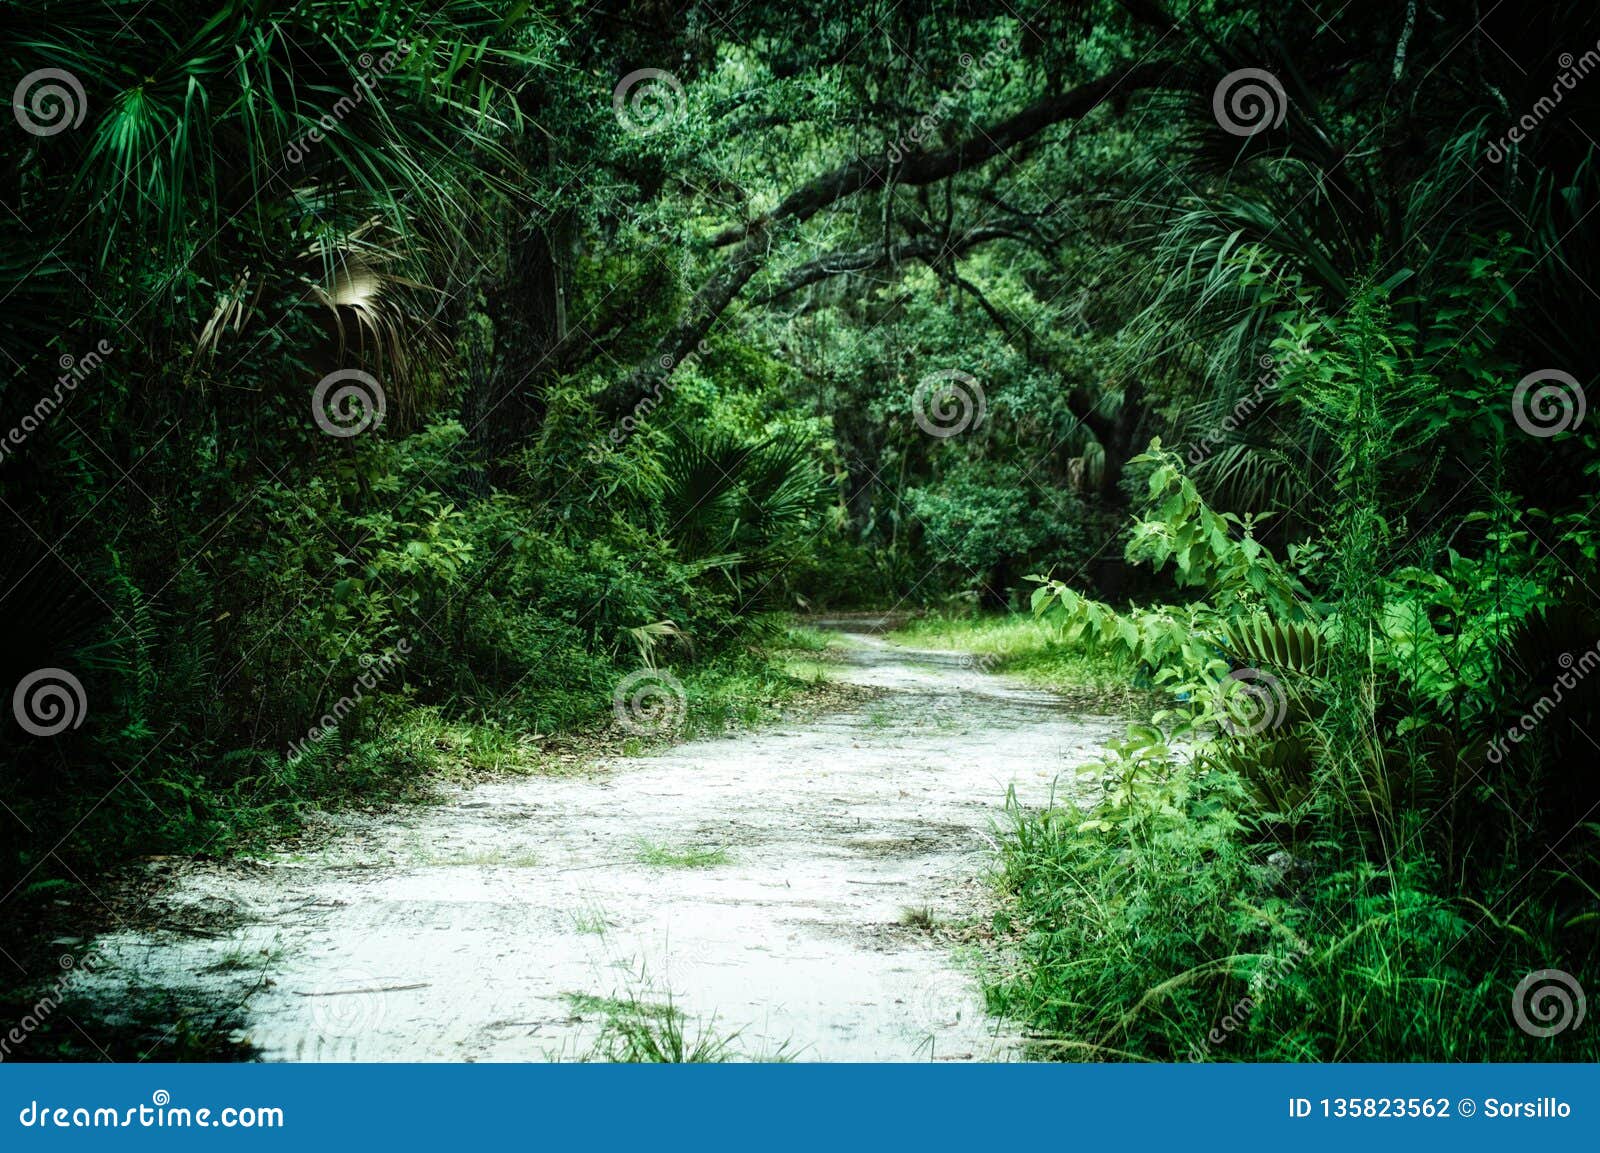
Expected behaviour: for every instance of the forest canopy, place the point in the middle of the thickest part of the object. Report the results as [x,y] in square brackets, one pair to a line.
[382,378]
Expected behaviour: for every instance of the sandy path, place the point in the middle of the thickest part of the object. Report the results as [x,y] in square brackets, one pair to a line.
[463,931]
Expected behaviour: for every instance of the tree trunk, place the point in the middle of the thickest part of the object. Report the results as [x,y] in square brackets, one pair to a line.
[505,403]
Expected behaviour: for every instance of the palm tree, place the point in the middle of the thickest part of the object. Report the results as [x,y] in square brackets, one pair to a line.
[187,165]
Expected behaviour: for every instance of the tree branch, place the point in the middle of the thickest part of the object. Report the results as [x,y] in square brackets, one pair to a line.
[921,168]
[754,239]
[928,248]
[1082,405]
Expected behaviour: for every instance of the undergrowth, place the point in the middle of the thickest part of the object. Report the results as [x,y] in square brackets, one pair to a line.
[1322,849]
[1020,646]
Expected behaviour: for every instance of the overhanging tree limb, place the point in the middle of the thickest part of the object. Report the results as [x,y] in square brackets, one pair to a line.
[1080,403]
[752,240]
[920,168]
[932,249]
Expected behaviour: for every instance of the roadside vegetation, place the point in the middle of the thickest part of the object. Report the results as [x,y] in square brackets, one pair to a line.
[1020,647]
[398,393]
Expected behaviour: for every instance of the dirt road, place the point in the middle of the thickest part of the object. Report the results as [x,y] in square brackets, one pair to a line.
[761,880]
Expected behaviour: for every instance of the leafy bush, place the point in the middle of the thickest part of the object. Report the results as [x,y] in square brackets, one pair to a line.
[1276,870]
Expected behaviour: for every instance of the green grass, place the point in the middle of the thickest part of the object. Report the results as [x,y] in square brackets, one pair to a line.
[810,671]
[591,920]
[1171,938]
[591,1005]
[802,638]
[1019,646]
[635,1030]
[662,856]
[741,692]
[242,958]
[919,917]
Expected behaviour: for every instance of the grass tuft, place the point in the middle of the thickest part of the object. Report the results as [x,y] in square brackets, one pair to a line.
[662,856]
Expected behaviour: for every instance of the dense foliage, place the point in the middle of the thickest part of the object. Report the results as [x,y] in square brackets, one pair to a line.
[433,368]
